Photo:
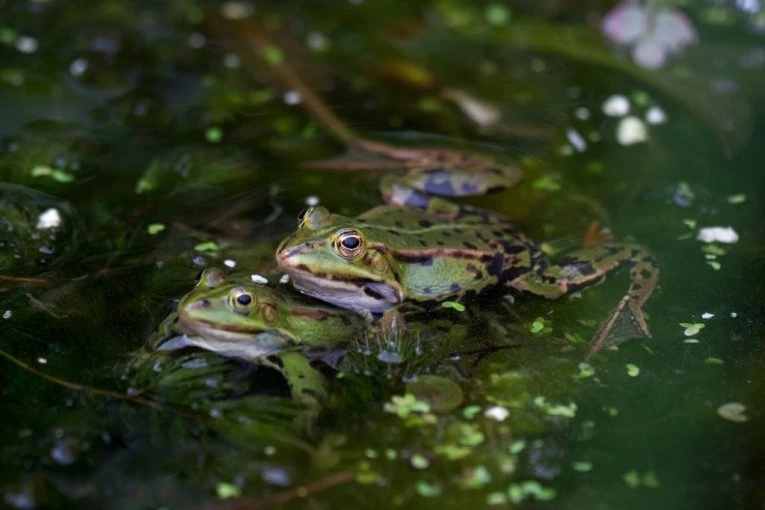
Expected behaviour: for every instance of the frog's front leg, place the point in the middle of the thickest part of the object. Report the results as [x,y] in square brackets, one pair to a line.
[307,385]
[586,267]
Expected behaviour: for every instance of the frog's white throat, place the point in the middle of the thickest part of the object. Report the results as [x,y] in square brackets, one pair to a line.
[375,297]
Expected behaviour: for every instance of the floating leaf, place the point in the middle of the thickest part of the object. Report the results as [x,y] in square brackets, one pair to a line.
[427,490]
[155,228]
[453,304]
[226,490]
[633,370]
[207,246]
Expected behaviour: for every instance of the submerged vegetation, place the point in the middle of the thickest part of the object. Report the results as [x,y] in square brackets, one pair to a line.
[151,151]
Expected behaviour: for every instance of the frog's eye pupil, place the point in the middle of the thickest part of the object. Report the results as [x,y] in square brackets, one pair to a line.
[351,242]
[244,299]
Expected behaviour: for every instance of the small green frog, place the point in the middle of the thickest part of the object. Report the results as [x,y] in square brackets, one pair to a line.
[271,327]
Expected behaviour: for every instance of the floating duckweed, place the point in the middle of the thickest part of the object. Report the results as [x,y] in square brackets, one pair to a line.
[546,183]
[517,447]
[692,329]
[538,325]
[714,265]
[496,498]
[273,55]
[737,199]
[207,246]
[419,461]
[714,361]
[568,411]
[586,370]
[451,451]
[427,490]
[453,304]
[370,453]
[214,134]
[733,411]
[155,228]
[612,411]
[713,249]
[471,411]
[470,435]
[582,466]
[226,490]
[633,370]
[650,479]
[391,454]
[520,491]
[440,393]
[632,479]
[497,14]
[7,35]
[475,478]
[57,174]
[405,405]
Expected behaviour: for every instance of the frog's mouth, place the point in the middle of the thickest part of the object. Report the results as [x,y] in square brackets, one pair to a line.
[244,344]
[352,294]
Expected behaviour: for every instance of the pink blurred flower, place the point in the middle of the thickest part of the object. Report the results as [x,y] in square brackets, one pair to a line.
[654,35]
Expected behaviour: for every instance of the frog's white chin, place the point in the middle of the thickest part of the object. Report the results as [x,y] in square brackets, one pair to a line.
[228,343]
[372,297]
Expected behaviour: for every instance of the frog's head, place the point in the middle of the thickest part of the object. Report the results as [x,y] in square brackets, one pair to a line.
[331,258]
[238,319]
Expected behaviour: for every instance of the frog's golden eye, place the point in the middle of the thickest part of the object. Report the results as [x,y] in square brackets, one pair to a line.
[242,301]
[349,244]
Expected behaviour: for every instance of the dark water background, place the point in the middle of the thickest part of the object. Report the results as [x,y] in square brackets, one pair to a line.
[122,115]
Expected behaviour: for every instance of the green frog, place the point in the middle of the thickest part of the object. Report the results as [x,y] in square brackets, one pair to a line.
[416,174]
[268,326]
[391,255]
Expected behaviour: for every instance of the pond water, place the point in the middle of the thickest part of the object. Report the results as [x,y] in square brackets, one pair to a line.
[141,142]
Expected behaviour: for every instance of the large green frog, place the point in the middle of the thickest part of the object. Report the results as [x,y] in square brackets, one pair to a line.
[391,255]
[268,326]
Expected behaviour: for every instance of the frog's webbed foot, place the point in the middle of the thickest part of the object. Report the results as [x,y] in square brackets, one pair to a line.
[589,266]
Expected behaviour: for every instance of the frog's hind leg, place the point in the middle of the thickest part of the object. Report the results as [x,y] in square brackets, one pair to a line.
[586,267]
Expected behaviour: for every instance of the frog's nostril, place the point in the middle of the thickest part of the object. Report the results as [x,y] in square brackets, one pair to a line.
[206,303]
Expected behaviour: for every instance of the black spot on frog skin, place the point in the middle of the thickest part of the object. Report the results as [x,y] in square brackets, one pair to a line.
[497,233]
[512,248]
[495,266]
[469,245]
[425,224]
[454,287]
[440,243]
[423,243]
[427,261]
[427,290]
[398,224]
[645,274]
[394,232]
[458,231]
